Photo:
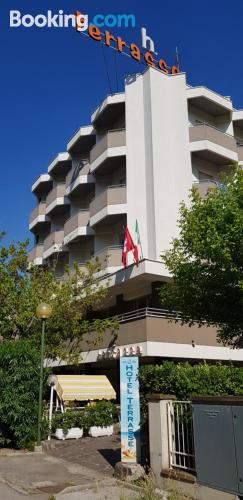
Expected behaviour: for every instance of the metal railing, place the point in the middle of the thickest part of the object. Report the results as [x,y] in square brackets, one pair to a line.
[110,247]
[181,438]
[147,312]
[213,181]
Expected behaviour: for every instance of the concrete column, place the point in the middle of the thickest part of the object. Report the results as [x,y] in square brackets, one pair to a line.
[159,432]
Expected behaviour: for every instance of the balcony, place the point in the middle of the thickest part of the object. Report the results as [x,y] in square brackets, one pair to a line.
[209,101]
[56,201]
[109,111]
[35,256]
[79,181]
[109,205]
[237,118]
[77,227]
[60,166]
[42,185]
[204,186]
[212,144]
[54,243]
[109,258]
[159,336]
[82,141]
[109,152]
[38,217]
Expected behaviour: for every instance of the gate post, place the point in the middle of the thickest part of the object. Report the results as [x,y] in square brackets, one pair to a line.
[159,432]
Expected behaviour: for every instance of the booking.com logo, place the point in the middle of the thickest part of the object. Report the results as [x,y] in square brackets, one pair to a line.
[62,20]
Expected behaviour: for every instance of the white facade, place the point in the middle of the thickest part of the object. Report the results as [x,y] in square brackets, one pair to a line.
[137,160]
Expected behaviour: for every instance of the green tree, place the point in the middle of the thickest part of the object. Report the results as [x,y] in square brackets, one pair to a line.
[19,387]
[23,287]
[206,261]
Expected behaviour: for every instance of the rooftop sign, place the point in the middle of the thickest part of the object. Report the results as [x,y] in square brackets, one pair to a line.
[131,50]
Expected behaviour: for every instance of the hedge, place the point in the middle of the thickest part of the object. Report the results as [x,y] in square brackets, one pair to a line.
[185,380]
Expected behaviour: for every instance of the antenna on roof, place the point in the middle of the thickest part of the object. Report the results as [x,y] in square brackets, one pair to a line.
[116,72]
[177,58]
[106,68]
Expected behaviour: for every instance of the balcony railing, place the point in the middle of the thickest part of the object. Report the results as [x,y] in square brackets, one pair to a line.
[80,219]
[113,195]
[204,186]
[56,192]
[109,256]
[147,312]
[40,209]
[55,238]
[204,132]
[36,252]
[112,139]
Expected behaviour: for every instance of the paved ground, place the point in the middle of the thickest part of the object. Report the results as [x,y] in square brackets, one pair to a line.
[8,493]
[34,473]
[104,491]
[72,470]
[99,454]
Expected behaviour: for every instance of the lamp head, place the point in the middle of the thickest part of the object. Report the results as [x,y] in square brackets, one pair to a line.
[43,311]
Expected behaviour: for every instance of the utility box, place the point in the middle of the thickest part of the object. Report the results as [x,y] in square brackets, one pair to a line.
[218,434]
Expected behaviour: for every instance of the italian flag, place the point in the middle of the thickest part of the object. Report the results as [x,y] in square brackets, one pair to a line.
[137,238]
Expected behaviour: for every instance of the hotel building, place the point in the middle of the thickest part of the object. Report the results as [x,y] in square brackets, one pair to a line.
[137,160]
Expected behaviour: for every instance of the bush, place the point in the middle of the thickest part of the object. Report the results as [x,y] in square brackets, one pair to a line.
[67,420]
[184,380]
[101,414]
[19,393]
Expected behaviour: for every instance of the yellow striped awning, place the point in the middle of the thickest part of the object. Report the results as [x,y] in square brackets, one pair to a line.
[83,387]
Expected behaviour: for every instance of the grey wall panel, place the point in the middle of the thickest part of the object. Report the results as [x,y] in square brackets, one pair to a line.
[237,413]
[214,447]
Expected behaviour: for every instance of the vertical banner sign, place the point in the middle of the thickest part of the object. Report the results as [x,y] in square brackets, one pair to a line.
[130,409]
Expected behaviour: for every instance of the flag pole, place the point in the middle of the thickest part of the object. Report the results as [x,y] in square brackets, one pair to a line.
[140,242]
[177,58]
[141,245]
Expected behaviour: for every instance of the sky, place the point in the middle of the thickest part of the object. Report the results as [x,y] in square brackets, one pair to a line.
[52,79]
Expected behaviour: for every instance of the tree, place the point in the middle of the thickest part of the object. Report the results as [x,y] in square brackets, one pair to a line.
[19,387]
[206,261]
[23,287]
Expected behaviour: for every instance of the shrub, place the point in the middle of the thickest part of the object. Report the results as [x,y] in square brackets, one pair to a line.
[67,420]
[19,392]
[101,414]
[185,380]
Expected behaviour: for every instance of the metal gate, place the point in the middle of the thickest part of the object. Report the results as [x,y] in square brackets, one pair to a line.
[181,438]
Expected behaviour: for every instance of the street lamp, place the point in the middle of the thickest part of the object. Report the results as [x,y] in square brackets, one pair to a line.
[43,312]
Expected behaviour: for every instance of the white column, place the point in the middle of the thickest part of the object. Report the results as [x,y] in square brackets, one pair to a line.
[159,432]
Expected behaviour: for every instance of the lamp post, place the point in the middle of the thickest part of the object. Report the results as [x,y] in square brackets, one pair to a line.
[43,312]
